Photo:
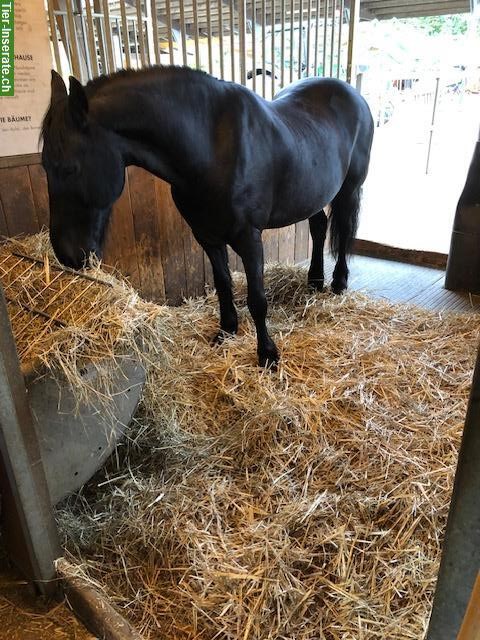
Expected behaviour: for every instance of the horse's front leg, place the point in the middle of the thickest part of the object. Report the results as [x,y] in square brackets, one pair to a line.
[223,284]
[249,247]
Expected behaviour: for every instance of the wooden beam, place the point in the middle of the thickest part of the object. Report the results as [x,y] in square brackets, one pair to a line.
[29,528]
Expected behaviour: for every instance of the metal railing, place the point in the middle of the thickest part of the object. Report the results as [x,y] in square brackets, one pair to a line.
[264,44]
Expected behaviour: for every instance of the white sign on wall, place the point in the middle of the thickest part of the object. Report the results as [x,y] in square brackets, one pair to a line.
[21,115]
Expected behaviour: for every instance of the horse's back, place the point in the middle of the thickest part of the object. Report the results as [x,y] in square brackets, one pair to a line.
[328,100]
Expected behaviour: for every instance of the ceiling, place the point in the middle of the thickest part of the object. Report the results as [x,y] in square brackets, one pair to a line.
[369,10]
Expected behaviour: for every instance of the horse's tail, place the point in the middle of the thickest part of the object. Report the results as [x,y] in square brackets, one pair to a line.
[344,215]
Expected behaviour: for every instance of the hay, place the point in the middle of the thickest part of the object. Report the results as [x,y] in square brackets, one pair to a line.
[305,504]
[63,320]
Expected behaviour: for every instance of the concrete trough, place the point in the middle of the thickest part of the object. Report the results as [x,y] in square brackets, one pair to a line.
[75,440]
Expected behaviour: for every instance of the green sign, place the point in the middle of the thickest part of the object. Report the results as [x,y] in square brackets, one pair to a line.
[6,48]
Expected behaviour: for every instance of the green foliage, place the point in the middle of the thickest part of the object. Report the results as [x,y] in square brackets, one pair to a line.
[446,25]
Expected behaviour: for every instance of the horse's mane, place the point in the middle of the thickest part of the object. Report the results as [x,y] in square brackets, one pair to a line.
[139,75]
[58,112]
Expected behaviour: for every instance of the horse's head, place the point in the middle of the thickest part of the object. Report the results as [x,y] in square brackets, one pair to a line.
[85,172]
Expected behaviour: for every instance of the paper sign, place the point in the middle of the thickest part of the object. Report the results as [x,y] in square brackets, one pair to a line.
[21,114]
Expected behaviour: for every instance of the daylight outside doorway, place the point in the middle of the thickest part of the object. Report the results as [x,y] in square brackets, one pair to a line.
[412,72]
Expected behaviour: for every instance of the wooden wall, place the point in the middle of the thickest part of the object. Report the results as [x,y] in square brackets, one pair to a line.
[148,240]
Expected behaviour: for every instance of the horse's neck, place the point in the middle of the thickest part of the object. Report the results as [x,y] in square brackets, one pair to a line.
[163,125]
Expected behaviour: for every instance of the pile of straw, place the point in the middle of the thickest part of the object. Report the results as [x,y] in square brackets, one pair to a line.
[63,320]
[304,504]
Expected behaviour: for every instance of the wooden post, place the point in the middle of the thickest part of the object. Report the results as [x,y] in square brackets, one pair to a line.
[29,527]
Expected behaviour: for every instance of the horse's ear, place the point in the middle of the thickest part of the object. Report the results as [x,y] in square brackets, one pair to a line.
[59,90]
[78,102]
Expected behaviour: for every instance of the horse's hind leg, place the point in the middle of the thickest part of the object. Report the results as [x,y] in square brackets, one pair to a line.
[344,221]
[223,284]
[318,230]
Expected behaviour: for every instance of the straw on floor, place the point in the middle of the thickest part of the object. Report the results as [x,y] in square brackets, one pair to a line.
[309,503]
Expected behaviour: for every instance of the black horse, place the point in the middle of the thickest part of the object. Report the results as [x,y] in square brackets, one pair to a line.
[236,163]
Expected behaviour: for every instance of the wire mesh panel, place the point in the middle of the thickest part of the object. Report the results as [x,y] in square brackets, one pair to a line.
[264,44]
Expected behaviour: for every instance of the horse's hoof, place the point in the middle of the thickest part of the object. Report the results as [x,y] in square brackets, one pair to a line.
[269,359]
[339,286]
[221,336]
[316,285]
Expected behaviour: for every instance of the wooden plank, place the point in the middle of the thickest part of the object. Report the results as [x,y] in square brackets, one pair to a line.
[148,231]
[286,244]
[170,238]
[194,264]
[301,241]
[38,181]
[20,161]
[93,608]
[234,262]
[270,245]
[376,250]
[207,270]
[3,221]
[120,248]
[29,529]
[17,199]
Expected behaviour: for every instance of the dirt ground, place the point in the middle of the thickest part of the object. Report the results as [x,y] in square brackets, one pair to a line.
[25,616]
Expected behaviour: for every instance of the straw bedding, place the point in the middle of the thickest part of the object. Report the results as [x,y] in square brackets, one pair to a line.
[307,503]
[63,321]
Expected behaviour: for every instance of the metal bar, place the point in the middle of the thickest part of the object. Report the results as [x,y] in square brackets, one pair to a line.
[300,38]
[209,38]
[108,36]
[98,20]
[282,40]
[54,38]
[76,68]
[460,560]
[317,18]
[332,38]
[340,26]
[309,43]
[183,32]
[168,9]
[242,27]
[37,312]
[232,40]
[292,17]
[325,27]
[126,37]
[29,529]
[149,37]
[354,20]
[136,44]
[272,23]
[79,274]
[432,125]
[141,35]
[196,38]
[254,45]
[91,39]
[264,28]
[156,44]
[220,40]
